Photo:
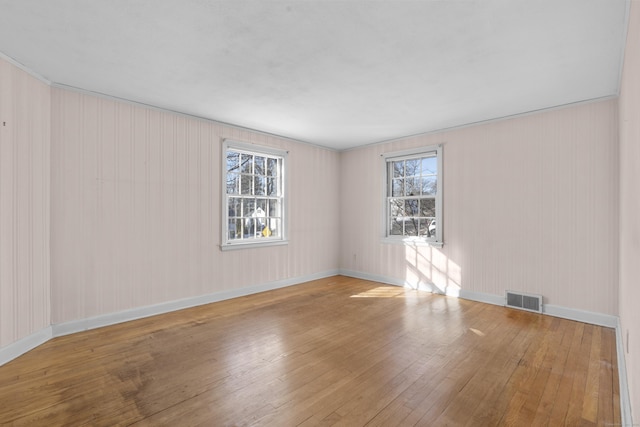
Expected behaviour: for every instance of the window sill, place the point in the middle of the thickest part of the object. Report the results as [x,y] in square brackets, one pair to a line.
[252,245]
[412,242]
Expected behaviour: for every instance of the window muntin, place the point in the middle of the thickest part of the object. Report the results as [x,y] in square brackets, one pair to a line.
[413,195]
[254,195]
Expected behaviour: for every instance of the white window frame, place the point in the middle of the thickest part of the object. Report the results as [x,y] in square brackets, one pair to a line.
[248,148]
[387,158]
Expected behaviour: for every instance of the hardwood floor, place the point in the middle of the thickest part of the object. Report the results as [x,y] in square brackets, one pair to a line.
[336,351]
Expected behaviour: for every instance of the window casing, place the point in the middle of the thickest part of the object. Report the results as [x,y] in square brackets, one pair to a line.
[253,196]
[413,196]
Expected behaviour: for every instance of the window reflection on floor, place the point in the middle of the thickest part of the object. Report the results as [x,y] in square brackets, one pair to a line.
[382,292]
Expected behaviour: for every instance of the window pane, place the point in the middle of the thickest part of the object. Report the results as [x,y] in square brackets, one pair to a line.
[424,227]
[428,207]
[246,163]
[398,169]
[272,167]
[248,206]
[412,188]
[411,207]
[411,227]
[398,188]
[262,204]
[260,165]
[412,167]
[431,228]
[396,209]
[429,165]
[266,231]
[259,186]
[251,228]
[272,186]
[429,186]
[235,207]
[246,184]
[274,227]
[260,217]
[396,228]
[233,183]
[254,217]
[233,161]
[274,208]
[235,228]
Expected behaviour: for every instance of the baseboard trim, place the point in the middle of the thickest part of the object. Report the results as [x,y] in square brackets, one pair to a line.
[482,297]
[20,347]
[23,345]
[109,319]
[590,317]
[625,398]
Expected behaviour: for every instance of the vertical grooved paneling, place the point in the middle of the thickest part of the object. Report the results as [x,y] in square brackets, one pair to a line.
[136,217]
[24,204]
[530,204]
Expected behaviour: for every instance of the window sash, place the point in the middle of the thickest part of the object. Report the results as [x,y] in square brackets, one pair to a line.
[418,176]
[252,216]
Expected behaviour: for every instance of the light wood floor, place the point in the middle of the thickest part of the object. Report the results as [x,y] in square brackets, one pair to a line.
[337,351]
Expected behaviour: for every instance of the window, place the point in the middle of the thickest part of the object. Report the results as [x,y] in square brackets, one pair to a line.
[254,195]
[413,202]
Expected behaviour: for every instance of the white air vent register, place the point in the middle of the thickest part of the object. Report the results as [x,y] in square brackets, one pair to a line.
[522,301]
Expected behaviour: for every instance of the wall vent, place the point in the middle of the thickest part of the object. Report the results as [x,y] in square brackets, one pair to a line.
[523,301]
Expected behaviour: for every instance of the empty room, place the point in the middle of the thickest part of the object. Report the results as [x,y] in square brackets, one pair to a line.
[304,213]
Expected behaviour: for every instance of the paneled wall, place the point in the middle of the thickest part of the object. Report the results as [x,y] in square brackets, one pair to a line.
[24,204]
[530,204]
[136,205]
[630,208]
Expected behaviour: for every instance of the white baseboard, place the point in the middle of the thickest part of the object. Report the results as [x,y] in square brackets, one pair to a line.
[482,297]
[80,325]
[598,319]
[20,347]
[625,399]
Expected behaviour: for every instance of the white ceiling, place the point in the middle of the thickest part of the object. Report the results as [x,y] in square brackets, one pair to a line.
[333,73]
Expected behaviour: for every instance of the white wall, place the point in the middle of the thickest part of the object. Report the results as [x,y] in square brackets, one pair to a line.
[630,208]
[24,204]
[530,204]
[136,209]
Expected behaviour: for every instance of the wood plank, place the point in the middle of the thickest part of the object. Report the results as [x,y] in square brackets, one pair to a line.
[336,351]
[592,387]
[568,374]
[580,371]
[550,388]
[495,404]
[615,388]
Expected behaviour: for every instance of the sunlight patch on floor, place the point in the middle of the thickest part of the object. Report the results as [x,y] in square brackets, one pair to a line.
[382,292]
[477,332]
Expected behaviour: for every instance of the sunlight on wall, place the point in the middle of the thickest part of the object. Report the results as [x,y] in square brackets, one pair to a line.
[431,270]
